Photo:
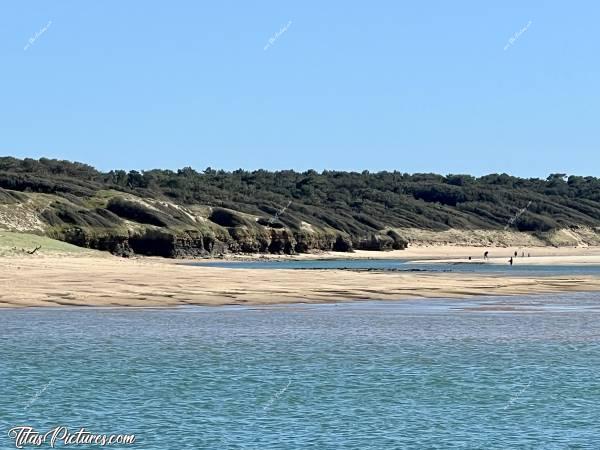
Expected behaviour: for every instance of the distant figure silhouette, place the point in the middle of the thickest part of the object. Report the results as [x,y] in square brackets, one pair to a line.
[485,255]
[515,254]
[510,261]
[528,255]
[469,258]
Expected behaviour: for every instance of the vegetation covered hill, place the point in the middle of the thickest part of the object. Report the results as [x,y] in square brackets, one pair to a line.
[190,213]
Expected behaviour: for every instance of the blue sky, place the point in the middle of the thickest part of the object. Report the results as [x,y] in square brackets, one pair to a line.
[423,86]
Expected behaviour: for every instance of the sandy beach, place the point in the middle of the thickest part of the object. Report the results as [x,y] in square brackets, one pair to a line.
[98,279]
[447,253]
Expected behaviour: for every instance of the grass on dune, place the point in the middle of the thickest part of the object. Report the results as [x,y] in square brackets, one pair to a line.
[12,243]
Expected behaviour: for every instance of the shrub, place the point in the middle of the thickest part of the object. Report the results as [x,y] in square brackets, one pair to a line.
[137,212]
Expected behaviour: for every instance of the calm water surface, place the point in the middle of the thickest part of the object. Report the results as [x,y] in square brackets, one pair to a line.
[487,373]
[520,267]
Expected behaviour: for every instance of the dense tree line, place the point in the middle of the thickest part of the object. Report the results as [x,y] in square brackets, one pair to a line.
[349,201]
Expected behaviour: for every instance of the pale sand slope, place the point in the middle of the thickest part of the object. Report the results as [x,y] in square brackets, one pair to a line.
[47,280]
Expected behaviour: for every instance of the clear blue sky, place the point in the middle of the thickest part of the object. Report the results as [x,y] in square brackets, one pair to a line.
[419,86]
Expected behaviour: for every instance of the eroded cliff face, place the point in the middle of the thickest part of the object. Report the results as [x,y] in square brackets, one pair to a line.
[193,244]
[128,225]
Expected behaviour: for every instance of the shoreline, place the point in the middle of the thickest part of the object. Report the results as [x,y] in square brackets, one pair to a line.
[429,254]
[53,280]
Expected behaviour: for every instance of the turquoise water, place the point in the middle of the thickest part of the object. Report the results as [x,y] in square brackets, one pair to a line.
[520,267]
[487,373]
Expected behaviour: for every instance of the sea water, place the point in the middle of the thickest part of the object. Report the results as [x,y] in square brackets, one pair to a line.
[519,268]
[484,373]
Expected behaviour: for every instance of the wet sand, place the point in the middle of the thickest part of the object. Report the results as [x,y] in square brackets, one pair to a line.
[96,279]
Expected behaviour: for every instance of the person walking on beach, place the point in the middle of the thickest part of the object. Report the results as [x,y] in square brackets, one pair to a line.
[511,261]
[515,254]
[485,255]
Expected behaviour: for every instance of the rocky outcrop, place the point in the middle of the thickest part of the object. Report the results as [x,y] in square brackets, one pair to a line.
[391,240]
[195,244]
[113,243]
[374,242]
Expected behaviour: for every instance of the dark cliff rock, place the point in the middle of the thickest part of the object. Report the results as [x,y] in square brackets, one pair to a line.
[195,244]
[342,244]
[399,242]
[374,242]
[113,243]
